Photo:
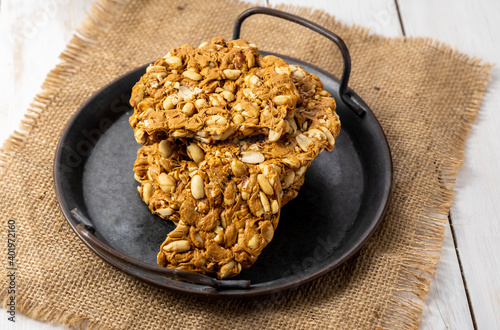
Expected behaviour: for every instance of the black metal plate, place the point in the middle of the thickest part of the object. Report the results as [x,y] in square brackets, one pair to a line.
[344,197]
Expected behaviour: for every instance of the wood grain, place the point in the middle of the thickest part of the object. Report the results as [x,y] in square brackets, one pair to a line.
[472,27]
[28,26]
[32,35]
[446,305]
[380,16]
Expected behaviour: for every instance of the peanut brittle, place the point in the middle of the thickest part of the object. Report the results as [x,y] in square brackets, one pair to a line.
[226,210]
[207,188]
[215,92]
[223,184]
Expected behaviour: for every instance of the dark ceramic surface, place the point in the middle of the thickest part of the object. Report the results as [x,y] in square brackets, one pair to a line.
[341,203]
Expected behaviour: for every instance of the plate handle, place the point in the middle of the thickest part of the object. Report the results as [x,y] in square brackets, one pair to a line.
[343,91]
[87,235]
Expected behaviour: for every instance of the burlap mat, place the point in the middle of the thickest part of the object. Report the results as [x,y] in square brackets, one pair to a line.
[424,95]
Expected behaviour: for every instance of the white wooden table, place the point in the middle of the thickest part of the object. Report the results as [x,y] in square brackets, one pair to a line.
[465,293]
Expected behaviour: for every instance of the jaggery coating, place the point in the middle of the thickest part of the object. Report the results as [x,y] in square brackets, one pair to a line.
[224,184]
[216,92]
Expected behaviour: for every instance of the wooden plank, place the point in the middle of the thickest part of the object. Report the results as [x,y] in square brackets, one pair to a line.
[380,16]
[472,27]
[26,29]
[17,60]
[446,304]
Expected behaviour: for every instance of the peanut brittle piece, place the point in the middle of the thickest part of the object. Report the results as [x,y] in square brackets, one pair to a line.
[226,211]
[228,136]
[226,198]
[164,178]
[313,129]
[215,92]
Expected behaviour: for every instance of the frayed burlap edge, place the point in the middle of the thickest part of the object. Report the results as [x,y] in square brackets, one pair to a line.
[97,22]
[405,307]
[414,278]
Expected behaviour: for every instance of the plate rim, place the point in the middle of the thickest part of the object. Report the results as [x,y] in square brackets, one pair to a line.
[259,291]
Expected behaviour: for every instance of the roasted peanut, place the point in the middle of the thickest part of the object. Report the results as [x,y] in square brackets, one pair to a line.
[195,153]
[253,243]
[303,141]
[265,202]
[177,246]
[238,168]
[188,109]
[232,74]
[197,187]
[252,157]
[140,136]
[165,212]
[174,61]
[264,184]
[192,75]
[275,206]
[165,148]
[227,268]
[147,192]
